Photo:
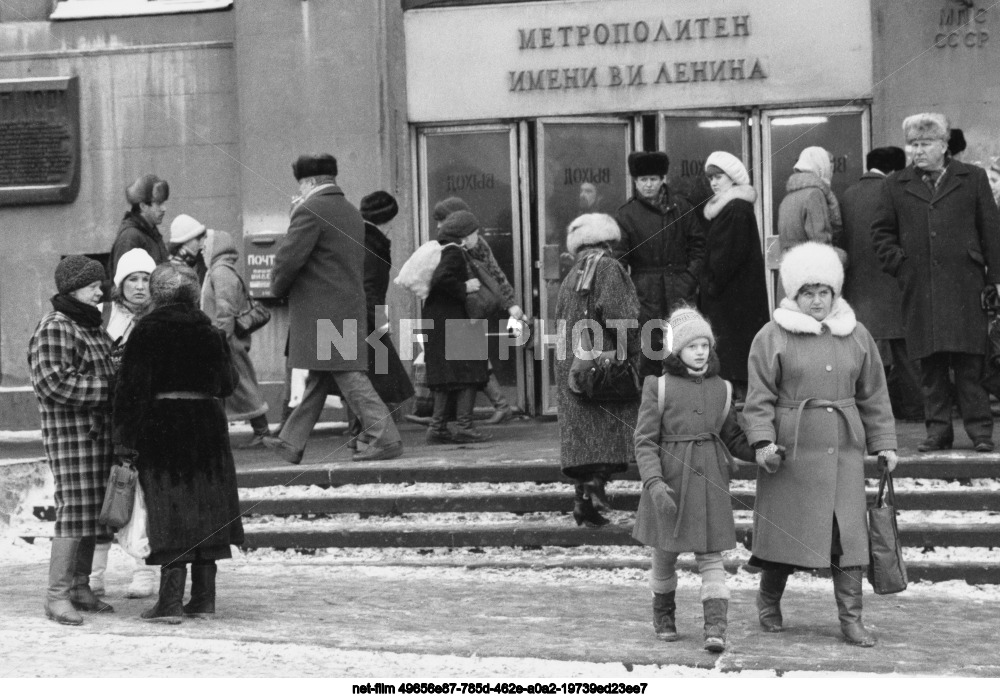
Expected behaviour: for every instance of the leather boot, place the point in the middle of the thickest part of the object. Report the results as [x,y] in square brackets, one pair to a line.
[202,601]
[81,595]
[99,567]
[664,624]
[847,589]
[716,622]
[466,433]
[772,586]
[438,432]
[594,491]
[62,565]
[501,409]
[169,607]
[584,512]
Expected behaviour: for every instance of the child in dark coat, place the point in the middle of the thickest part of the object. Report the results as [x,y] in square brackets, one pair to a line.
[685,439]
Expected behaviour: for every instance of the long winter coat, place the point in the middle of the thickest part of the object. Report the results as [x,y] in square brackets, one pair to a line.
[873,294]
[223,297]
[181,445]
[664,248]
[689,445]
[595,437]
[733,284]
[320,267]
[943,249]
[445,307]
[835,366]
[135,231]
[71,372]
[804,214]
[392,382]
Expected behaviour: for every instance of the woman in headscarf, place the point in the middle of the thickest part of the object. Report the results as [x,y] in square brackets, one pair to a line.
[169,418]
[69,361]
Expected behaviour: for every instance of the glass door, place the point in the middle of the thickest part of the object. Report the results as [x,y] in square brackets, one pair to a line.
[844,131]
[478,164]
[581,168]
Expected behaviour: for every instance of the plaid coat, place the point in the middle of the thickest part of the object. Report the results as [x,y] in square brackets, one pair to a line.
[71,372]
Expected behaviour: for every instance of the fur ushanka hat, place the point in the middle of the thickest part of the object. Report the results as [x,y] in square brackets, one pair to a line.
[926,126]
[314,166]
[591,229]
[811,263]
[379,207]
[146,190]
[648,164]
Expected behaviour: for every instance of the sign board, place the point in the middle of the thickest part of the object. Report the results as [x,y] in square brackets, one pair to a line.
[619,56]
[260,249]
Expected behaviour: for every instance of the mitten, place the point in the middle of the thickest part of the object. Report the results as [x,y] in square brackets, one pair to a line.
[769,457]
[662,497]
[889,458]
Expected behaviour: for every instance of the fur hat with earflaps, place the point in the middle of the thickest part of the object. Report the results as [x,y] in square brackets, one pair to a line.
[591,229]
[811,263]
[926,126]
[643,164]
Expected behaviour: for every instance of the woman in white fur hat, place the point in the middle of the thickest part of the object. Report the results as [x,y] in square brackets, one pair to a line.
[817,390]
[733,283]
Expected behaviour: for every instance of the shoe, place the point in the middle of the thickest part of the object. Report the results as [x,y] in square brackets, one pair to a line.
[584,512]
[469,435]
[62,565]
[202,603]
[500,415]
[772,586]
[439,436]
[664,624]
[847,590]
[983,446]
[393,450]
[418,420]
[255,441]
[143,583]
[716,622]
[168,608]
[285,450]
[933,444]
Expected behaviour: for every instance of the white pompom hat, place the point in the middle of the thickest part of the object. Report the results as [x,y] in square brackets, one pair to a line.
[811,263]
[136,259]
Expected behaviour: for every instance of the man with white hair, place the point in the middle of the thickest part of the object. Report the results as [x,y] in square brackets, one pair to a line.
[937,231]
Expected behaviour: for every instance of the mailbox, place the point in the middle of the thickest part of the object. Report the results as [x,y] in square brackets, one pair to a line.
[260,249]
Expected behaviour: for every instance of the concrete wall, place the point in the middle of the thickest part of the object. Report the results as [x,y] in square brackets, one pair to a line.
[157,94]
[937,56]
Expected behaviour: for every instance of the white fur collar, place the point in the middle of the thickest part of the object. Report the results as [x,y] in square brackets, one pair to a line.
[841,320]
[719,201]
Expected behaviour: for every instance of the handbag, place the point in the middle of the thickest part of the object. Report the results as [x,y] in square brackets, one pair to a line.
[886,570]
[119,497]
[604,378]
[254,317]
[134,536]
[488,300]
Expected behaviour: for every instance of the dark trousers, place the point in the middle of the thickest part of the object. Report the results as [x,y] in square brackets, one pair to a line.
[459,403]
[973,400]
[904,383]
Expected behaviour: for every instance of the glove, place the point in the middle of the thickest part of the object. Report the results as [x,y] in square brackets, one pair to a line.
[890,459]
[770,457]
[662,497]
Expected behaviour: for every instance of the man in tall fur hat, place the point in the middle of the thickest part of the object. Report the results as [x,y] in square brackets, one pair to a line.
[147,197]
[937,230]
[662,243]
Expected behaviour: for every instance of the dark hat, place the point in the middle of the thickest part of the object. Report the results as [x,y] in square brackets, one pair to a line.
[887,159]
[76,271]
[314,166]
[956,141]
[379,207]
[648,164]
[147,189]
[458,226]
[446,207]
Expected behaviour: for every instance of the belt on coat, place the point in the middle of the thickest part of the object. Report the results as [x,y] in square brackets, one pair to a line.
[183,395]
[691,440]
[815,403]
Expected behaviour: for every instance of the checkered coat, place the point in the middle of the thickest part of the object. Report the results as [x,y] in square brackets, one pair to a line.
[71,372]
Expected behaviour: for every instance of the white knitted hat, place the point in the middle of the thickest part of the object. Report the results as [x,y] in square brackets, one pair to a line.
[185,228]
[136,259]
[730,164]
[687,325]
[811,263]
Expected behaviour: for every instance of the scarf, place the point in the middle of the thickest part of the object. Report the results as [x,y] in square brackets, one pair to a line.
[76,310]
[932,178]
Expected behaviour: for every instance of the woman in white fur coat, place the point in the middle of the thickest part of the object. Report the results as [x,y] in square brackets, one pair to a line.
[818,391]
[733,283]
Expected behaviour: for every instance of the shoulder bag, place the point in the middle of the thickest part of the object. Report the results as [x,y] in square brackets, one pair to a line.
[487,302]
[254,317]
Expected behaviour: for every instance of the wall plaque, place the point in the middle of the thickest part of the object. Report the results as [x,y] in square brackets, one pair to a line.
[39,141]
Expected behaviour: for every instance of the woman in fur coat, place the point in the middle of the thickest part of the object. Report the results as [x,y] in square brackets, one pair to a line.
[595,438]
[818,391]
[733,283]
[169,418]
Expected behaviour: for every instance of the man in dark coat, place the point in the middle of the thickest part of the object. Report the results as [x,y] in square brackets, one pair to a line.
[936,230]
[147,196]
[663,245]
[873,294]
[320,267]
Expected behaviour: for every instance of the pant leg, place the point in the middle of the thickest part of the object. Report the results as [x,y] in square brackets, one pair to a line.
[359,394]
[495,393]
[937,396]
[713,576]
[973,400]
[442,410]
[905,378]
[663,572]
[465,402]
[304,417]
[259,424]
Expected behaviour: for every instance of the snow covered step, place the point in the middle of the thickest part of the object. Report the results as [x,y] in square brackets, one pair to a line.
[394,503]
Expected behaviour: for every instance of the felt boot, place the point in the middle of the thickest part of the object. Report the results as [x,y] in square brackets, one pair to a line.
[716,622]
[81,595]
[62,565]
[143,581]
[169,606]
[466,433]
[847,589]
[202,603]
[772,586]
[664,624]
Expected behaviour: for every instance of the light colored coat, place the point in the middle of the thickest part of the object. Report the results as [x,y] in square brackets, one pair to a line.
[835,366]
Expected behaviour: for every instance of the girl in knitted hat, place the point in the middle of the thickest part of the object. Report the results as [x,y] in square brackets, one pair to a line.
[685,438]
